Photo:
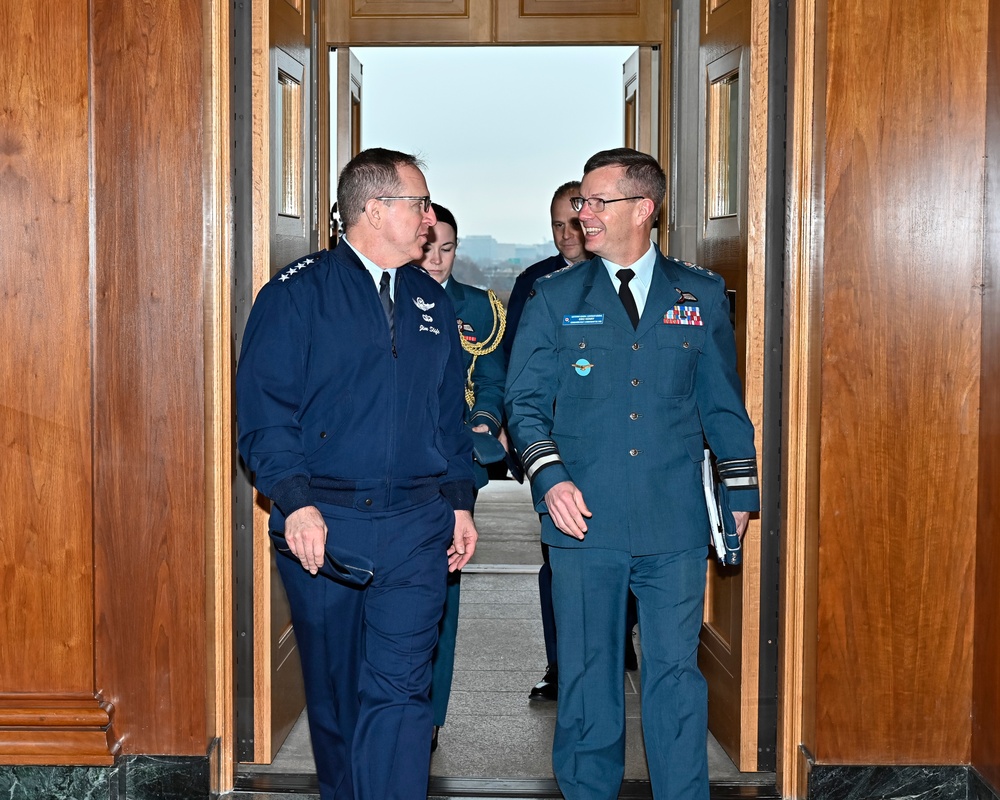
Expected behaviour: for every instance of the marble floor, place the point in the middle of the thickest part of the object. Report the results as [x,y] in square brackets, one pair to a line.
[494,738]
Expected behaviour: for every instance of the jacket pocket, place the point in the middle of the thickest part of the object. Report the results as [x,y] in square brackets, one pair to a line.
[585,361]
[678,349]
[316,435]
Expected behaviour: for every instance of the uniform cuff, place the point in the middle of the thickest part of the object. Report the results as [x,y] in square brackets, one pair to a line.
[491,421]
[544,479]
[291,494]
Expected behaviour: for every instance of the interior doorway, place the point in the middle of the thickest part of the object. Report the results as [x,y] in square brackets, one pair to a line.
[354,114]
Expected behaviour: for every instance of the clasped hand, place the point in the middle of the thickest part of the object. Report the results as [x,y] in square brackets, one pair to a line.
[305,533]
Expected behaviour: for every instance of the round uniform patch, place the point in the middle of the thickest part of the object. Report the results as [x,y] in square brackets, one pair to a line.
[583,367]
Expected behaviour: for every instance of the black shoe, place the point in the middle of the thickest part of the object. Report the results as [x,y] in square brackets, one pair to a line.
[548,687]
[434,738]
[631,661]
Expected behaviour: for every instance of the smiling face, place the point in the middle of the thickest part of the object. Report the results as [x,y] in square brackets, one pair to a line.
[566,231]
[619,233]
[439,251]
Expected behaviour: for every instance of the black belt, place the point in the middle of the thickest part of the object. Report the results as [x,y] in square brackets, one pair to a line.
[374,495]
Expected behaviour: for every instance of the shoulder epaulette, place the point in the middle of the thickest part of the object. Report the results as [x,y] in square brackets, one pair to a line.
[689,265]
[558,272]
[293,269]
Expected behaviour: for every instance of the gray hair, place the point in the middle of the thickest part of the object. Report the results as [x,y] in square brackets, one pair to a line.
[371,173]
[643,174]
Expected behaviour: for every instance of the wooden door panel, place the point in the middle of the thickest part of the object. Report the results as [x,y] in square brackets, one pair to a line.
[376,22]
[288,228]
[579,21]
[729,653]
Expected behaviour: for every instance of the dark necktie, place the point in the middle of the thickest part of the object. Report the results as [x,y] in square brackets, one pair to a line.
[625,275]
[386,297]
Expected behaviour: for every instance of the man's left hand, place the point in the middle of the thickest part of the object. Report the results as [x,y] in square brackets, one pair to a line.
[742,520]
[464,544]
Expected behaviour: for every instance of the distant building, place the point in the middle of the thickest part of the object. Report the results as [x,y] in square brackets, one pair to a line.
[481,249]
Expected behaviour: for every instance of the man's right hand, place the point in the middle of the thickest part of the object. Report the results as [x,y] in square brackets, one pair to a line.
[567,509]
[305,532]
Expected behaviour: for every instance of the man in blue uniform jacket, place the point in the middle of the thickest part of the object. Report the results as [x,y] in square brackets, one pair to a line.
[622,367]
[478,324]
[349,405]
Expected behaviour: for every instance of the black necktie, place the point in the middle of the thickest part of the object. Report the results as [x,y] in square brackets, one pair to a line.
[386,297]
[625,275]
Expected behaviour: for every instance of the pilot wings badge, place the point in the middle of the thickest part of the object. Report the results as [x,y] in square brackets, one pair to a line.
[422,304]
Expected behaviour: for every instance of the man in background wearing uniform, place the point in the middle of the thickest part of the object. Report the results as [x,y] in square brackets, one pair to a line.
[349,405]
[568,239]
[622,367]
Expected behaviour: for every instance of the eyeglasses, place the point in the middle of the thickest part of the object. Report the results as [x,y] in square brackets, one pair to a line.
[596,204]
[425,201]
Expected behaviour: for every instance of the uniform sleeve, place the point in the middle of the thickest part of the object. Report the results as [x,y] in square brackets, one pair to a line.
[724,418]
[515,307]
[488,382]
[458,484]
[530,398]
[269,388]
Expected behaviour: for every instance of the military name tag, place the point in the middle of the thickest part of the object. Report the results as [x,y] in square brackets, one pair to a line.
[683,315]
[583,319]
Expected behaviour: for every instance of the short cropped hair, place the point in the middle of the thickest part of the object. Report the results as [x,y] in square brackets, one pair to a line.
[371,173]
[444,215]
[643,174]
[566,189]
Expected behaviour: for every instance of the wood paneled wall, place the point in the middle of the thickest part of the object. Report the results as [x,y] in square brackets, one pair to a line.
[986,681]
[106,221]
[46,561]
[149,381]
[900,380]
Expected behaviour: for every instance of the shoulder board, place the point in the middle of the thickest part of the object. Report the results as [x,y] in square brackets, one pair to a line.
[291,270]
[558,272]
[689,265]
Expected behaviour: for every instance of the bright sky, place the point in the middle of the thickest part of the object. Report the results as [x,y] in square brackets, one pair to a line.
[498,127]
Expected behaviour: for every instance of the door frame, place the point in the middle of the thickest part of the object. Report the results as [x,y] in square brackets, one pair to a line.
[766,249]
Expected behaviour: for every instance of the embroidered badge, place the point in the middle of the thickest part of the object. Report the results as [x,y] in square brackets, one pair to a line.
[683,315]
[467,332]
[583,367]
[685,297]
[427,317]
[430,329]
[583,319]
[422,304]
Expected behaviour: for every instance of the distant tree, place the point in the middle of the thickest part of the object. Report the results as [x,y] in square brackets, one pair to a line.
[468,271]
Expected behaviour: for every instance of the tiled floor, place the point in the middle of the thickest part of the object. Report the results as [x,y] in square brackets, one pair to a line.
[492,730]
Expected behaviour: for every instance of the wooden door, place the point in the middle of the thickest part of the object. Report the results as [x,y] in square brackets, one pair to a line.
[640,74]
[729,642]
[346,118]
[289,221]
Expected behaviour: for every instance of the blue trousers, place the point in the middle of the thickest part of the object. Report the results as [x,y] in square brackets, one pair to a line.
[545,603]
[590,590]
[366,653]
[443,663]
